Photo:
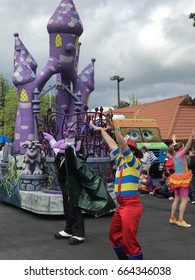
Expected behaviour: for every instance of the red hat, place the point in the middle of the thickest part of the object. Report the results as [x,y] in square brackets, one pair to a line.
[133,145]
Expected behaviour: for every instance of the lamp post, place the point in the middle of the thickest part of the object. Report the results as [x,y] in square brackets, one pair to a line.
[118,79]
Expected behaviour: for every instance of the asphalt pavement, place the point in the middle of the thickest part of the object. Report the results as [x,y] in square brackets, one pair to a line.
[28,236]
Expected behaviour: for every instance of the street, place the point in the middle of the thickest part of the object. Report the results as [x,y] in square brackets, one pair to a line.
[29,236]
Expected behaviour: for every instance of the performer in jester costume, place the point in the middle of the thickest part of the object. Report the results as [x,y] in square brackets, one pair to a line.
[124,226]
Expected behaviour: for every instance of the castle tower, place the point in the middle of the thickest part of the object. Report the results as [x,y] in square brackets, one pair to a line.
[65,28]
[23,78]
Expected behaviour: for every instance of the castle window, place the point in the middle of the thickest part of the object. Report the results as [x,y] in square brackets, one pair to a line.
[58,42]
[23,96]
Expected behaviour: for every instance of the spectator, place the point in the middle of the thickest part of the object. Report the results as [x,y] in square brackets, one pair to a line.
[191,166]
[1,157]
[188,157]
[145,160]
[146,184]
[192,152]
[1,153]
[162,190]
[169,162]
[153,158]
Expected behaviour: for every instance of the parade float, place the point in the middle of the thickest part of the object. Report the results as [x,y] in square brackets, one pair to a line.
[29,179]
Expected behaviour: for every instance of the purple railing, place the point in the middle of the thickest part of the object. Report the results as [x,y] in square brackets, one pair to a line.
[56,124]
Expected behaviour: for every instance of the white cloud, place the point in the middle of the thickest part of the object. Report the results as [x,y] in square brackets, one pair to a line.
[150,43]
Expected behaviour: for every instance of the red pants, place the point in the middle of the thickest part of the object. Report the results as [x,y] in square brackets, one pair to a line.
[124,226]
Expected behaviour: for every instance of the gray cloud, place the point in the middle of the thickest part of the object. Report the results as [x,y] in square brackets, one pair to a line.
[150,43]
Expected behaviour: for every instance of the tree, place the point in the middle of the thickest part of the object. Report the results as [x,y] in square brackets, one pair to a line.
[124,104]
[10,110]
[8,107]
[47,102]
[192,16]
[133,100]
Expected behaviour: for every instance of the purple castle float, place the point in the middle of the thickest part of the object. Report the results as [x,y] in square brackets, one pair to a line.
[72,89]
[29,179]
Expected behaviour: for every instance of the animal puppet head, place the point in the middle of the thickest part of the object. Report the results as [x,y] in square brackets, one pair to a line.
[69,140]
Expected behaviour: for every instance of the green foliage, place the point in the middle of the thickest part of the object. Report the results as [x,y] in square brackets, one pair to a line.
[8,108]
[124,104]
[133,100]
[47,102]
[192,16]
[9,105]
[4,85]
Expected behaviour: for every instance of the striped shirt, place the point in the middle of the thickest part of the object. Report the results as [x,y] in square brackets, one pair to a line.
[130,175]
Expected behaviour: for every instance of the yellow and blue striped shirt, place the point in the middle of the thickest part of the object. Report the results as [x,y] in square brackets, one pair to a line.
[130,175]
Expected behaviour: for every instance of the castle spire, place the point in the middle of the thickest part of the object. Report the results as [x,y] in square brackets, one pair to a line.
[24,64]
[65,19]
[23,73]
[20,47]
[87,75]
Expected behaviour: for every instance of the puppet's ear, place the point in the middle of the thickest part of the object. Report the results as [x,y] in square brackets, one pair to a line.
[48,136]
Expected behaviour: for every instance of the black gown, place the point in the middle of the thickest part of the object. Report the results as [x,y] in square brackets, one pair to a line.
[83,186]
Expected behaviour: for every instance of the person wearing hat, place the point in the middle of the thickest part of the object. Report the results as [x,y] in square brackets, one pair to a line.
[125,221]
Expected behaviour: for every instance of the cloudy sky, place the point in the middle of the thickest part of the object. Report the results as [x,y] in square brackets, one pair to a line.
[151,43]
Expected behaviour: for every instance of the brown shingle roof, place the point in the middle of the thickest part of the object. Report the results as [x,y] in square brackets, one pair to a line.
[184,122]
[173,115]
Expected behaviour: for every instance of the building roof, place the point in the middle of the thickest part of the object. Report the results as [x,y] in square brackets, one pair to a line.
[173,115]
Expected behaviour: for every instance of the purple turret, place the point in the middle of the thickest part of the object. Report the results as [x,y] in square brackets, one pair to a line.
[64,28]
[65,19]
[20,47]
[85,83]
[23,78]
